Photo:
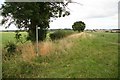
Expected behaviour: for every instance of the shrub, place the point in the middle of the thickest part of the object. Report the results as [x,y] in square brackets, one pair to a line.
[10,47]
[60,34]
[19,38]
[106,31]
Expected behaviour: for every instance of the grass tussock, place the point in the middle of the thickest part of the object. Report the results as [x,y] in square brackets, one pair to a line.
[45,47]
[28,51]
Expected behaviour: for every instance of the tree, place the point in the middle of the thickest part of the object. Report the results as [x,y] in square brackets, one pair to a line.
[29,15]
[79,26]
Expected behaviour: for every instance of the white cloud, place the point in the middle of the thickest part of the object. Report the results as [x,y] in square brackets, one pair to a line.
[95,13]
[94,8]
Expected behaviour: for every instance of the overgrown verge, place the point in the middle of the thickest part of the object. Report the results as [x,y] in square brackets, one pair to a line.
[84,56]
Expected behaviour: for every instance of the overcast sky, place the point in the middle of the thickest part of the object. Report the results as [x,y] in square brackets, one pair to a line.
[97,14]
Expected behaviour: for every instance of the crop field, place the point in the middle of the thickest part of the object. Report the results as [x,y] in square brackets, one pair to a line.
[80,55]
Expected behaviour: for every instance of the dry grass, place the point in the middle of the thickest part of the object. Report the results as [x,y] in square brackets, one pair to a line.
[49,47]
[45,47]
[80,35]
[75,35]
[65,43]
[28,52]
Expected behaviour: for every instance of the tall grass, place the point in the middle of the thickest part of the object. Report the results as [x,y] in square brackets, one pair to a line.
[28,51]
[47,47]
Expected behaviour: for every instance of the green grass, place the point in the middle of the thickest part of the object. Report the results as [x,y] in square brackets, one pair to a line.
[9,37]
[90,57]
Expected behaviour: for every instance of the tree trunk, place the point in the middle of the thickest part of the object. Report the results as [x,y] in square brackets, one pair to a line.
[32,33]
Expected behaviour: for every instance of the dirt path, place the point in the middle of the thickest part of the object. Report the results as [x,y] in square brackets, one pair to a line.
[82,34]
[76,35]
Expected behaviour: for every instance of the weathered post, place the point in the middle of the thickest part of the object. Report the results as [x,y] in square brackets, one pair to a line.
[37,50]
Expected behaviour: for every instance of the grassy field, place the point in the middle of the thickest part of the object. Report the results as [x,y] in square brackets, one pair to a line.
[9,36]
[83,55]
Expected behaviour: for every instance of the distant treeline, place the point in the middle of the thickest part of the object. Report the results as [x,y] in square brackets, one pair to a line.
[12,30]
[59,29]
[25,30]
[94,30]
[104,30]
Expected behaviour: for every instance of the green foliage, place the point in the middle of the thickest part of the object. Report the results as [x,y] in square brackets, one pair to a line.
[41,33]
[78,26]
[30,15]
[10,47]
[60,34]
[19,38]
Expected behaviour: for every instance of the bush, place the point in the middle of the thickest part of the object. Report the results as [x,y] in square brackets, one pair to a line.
[10,47]
[19,38]
[106,31]
[60,34]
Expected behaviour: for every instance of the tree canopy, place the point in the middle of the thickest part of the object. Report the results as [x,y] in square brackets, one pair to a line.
[29,15]
[79,26]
